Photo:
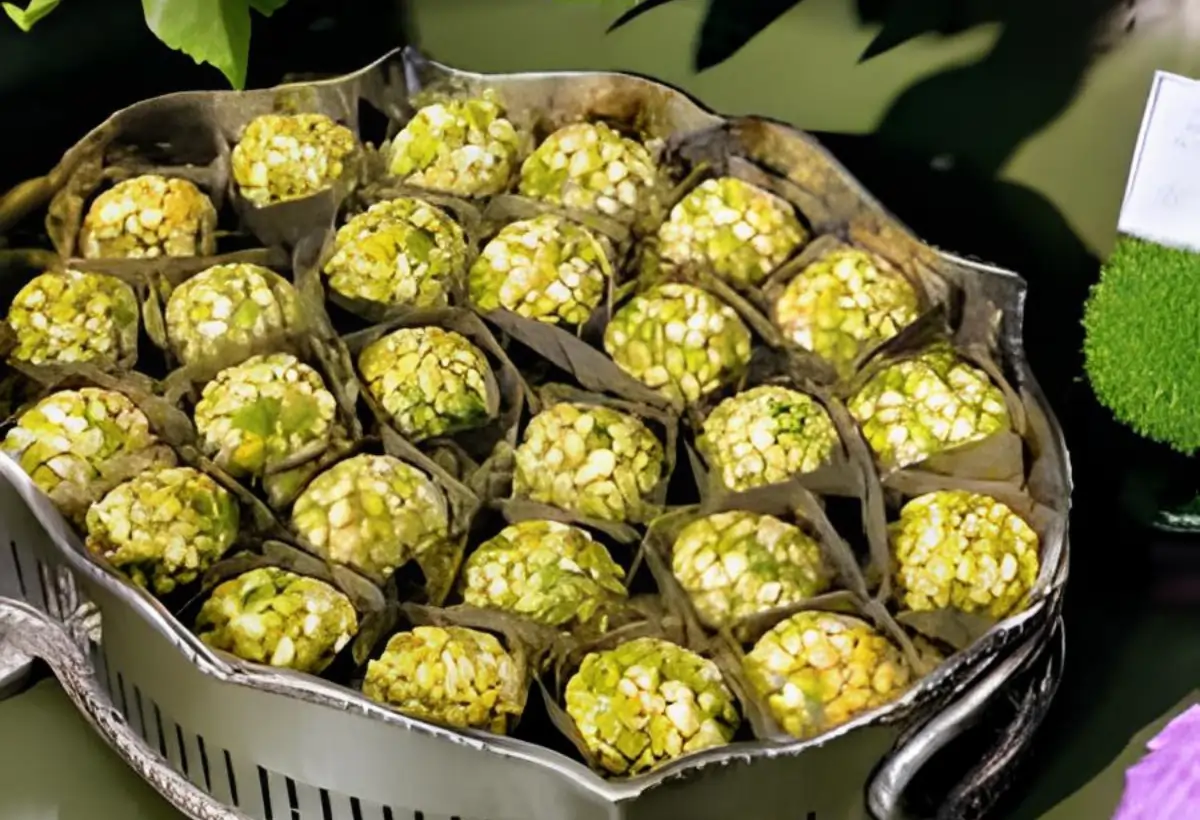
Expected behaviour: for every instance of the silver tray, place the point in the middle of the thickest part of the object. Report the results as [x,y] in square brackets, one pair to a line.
[222,739]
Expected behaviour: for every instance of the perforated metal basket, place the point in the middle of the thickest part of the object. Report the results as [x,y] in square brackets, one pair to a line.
[224,740]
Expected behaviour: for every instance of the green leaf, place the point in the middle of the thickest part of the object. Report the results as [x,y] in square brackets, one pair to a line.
[25,18]
[260,418]
[267,7]
[216,32]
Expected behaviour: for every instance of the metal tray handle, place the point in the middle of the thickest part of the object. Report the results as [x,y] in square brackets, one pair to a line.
[26,632]
[886,789]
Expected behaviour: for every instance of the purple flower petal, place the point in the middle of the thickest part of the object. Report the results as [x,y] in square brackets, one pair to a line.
[1165,784]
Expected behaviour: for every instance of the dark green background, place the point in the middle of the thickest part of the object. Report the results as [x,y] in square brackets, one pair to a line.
[1007,142]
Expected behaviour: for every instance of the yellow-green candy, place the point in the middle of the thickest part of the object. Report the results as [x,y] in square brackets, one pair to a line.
[845,304]
[730,228]
[262,412]
[462,147]
[76,437]
[965,551]
[588,459]
[767,435]
[916,408]
[281,157]
[590,167]
[737,564]
[148,217]
[546,268]
[372,513]
[432,382]
[164,528]
[452,675]
[221,315]
[275,617]
[679,340]
[72,317]
[399,252]
[818,670]
[546,571]
[648,702]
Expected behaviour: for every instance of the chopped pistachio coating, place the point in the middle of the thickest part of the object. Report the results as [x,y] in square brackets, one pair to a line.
[463,147]
[164,528]
[399,252]
[71,317]
[733,229]
[843,305]
[281,157]
[647,702]
[767,435]
[452,675]
[918,407]
[679,340]
[221,314]
[149,217]
[965,551]
[372,513]
[72,436]
[272,616]
[432,382]
[262,412]
[546,571]
[818,670]
[737,564]
[591,167]
[546,268]
[592,460]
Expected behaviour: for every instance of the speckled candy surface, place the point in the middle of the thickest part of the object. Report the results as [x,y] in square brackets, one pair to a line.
[71,317]
[679,340]
[147,217]
[281,157]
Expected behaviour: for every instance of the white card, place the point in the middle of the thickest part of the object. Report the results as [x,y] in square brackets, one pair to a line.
[1162,195]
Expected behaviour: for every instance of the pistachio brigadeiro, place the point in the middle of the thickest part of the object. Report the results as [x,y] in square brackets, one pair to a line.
[591,460]
[679,340]
[463,147]
[224,313]
[546,268]
[590,167]
[647,702]
[282,157]
[453,675]
[71,317]
[399,252]
[271,616]
[915,408]
[731,228]
[147,217]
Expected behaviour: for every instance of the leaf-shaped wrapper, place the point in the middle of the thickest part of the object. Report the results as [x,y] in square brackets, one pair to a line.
[440,379]
[744,557]
[635,700]
[88,431]
[599,461]
[250,606]
[495,659]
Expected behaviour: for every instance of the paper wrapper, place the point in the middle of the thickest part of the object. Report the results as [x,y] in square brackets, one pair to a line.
[461,454]
[662,424]
[374,615]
